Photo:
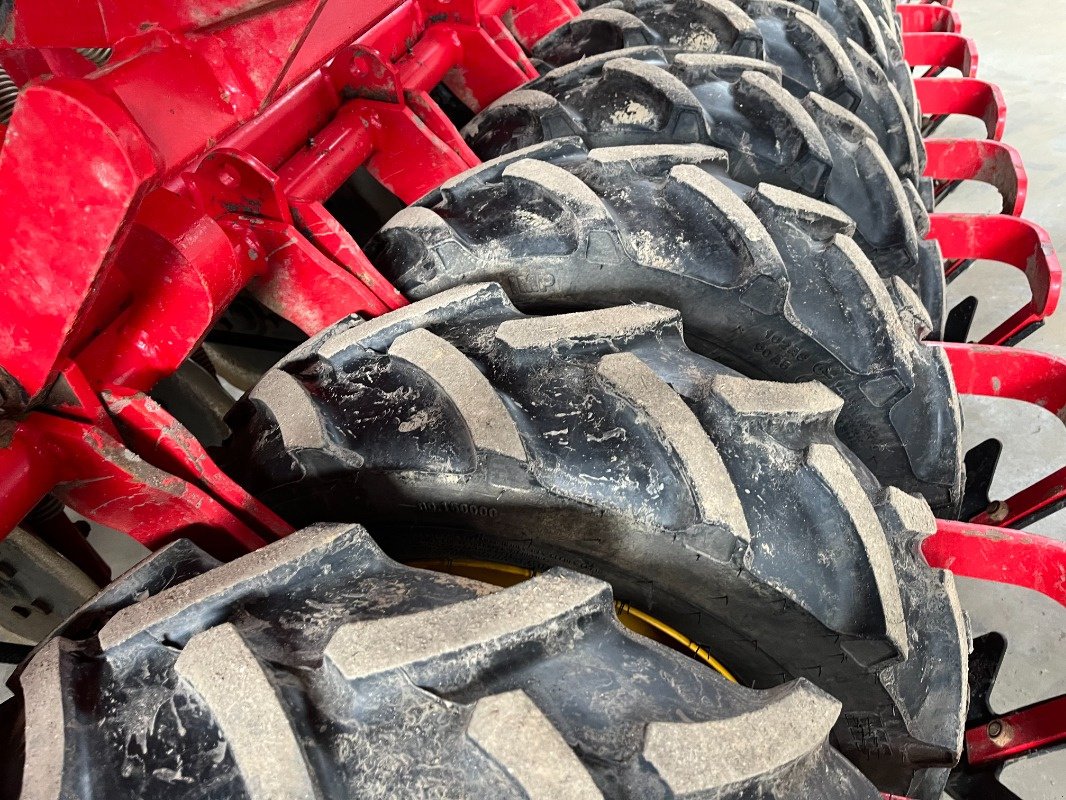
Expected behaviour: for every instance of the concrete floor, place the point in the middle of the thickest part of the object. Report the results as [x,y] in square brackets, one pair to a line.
[1021,50]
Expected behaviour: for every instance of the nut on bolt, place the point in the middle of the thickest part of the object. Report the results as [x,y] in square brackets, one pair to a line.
[999,732]
[997,511]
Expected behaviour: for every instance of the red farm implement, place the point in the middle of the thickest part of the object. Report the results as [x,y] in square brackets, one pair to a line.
[143,192]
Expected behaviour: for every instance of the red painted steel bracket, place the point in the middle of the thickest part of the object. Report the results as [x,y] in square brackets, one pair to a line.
[1000,555]
[297,128]
[940,98]
[125,463]
[1037,378]
[964,238]
[952,161]
[937,52]
[976,549]
[309,283]
[1018,733]
[928,18]
[1021,559]
[945,3]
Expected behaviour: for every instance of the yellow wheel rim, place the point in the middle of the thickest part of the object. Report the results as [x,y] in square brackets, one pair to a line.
[633,618]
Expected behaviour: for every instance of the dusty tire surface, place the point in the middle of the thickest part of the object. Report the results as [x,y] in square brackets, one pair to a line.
[645,96]
[768,282]
[814,56]
[726,507]
[319,668]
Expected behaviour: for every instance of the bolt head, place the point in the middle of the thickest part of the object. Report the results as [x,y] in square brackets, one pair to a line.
[997,511]
[1001,733]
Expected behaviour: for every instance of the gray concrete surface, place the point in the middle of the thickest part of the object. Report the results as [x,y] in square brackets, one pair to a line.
[1021,48]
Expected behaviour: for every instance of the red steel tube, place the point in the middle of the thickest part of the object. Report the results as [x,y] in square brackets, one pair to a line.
[1009,240]
[431,58]
[27,477]
[940,51]
[1031,728]
[334,153]
[1004,556]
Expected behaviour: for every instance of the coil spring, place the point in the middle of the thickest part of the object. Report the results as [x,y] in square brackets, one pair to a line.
[9,90]
[48,509]
[97,55]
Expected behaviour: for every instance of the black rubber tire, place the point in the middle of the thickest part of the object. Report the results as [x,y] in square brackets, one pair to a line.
[873,27]
[642,96]
[768,282]
[813,57]
[318,668]
[458,427]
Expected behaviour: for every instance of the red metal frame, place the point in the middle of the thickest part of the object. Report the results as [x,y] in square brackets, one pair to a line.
[940,98]
[1036,378]
[231,198]
[952,161]
[964,238]
[1000,555]
[929,18]
[978,549]
[937,52]
[1022,731]
[292,126]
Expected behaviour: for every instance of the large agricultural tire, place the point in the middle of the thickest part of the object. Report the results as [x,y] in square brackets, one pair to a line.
[726,507]
[642,96]
[812,57]
[768,282]
[319,668]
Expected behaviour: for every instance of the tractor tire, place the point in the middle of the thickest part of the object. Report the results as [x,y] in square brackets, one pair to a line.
[768,282]
[39,588]
[319,668]
[458,427]
[641,97]
[866,29]
[813,58]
